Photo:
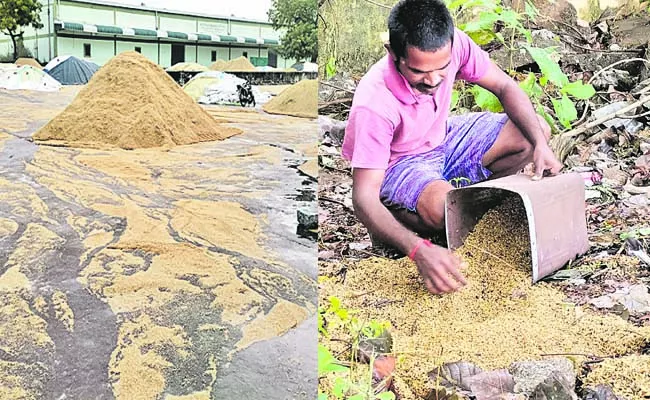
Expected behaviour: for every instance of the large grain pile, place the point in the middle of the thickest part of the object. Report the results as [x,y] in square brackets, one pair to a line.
[218,65]
[298,100]
[28,61]
[132,103]
[188,67]
[499,318]
[239,64]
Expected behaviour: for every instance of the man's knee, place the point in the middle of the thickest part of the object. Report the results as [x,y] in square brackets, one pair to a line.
[431,204]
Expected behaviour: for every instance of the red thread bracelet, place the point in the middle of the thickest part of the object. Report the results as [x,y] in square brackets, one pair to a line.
[417,246]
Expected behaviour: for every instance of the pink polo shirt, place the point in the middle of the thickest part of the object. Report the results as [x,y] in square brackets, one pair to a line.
[388,120]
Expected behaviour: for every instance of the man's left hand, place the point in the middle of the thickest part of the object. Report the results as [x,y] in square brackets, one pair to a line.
[545,160]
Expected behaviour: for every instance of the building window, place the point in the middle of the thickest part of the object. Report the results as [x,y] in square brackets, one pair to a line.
[138,49]
[214,55]
[86,49]
[246,54]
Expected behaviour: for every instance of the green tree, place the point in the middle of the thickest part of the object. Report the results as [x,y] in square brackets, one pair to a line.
[15,15]
[299,18]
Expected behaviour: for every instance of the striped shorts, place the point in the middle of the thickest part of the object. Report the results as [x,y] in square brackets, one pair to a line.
[457,160]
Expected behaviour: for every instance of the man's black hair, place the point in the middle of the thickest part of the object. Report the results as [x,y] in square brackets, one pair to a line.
[425,24]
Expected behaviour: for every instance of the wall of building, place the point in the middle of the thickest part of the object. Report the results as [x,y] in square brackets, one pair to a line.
[102,48]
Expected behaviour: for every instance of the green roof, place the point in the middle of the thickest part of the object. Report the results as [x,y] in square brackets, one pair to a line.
[73,26]
[228,38]
[177,35]
[116,30]
[108,29]
[145,32]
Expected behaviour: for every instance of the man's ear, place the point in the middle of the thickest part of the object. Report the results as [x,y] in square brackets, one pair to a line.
[390,51]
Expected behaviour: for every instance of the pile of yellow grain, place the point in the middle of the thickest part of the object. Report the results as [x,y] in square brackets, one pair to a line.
[131,103]
[188,67]
[239,64]
[298,100]
[499,318]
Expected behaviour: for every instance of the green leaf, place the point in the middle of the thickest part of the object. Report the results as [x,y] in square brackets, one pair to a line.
[330,67]
[481,37]
[579,90]
[341,387]
[455,96]
[550,69]
[486,99]
[510,17]
[456,4]
[327,362]
[322,396]
[565,111]
[644,231]
[385,396]
[335,303]
[547,117]
[543,80]
[531,10]
[627,235]
[530,86]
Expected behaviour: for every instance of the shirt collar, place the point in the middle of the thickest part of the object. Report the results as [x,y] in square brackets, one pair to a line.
[397,84]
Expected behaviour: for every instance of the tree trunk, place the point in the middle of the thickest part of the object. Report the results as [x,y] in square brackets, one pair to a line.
[13,40]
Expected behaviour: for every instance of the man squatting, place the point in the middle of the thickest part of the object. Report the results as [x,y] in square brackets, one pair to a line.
[404,148]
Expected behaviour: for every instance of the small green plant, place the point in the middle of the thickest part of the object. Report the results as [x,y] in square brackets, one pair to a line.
[636,234]
[479,20]
[348,379]
[330,68]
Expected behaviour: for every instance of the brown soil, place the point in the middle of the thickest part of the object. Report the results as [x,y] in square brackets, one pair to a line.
[239,64]
[132,103]
[28,61]
[299,100]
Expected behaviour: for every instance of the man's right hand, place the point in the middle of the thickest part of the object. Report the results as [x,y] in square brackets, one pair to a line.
[440,269]
[438,266]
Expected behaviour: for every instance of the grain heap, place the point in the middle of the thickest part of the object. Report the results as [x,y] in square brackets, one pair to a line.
[499,318]
[239,64]
[218,65]
[28,61]
[188,67]
[298,100]
[132,103]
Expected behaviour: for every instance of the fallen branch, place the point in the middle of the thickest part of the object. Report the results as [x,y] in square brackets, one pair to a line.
[335,202]
[333,102]
[615,64]
[570,43]
[581,129]
[337,87]
[380,5]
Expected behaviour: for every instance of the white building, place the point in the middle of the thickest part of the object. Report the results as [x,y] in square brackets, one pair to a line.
[98,30]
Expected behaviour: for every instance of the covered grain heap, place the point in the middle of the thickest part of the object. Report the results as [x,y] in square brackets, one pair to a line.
[132,103]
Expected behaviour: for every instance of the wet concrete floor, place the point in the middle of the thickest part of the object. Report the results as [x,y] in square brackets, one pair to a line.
[153,274]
